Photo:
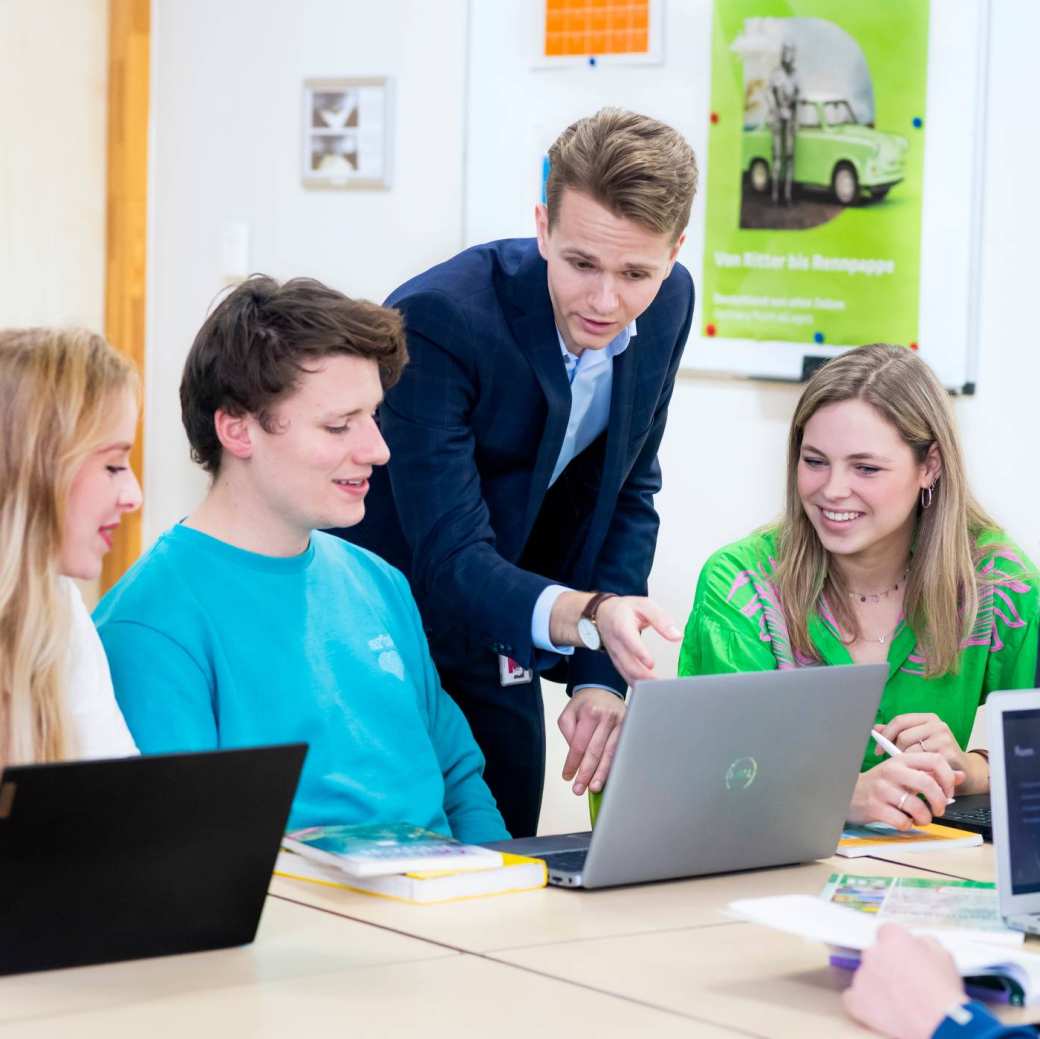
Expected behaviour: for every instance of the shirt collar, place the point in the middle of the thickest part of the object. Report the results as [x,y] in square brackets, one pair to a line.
[617,345]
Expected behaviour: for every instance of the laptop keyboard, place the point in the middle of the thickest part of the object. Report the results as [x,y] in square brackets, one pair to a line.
[565,861]
[975,815]
[978,818]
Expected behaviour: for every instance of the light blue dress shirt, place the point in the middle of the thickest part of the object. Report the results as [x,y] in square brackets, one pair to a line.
[592,378]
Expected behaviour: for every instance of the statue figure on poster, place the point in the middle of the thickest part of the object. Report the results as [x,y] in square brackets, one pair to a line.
[783,101]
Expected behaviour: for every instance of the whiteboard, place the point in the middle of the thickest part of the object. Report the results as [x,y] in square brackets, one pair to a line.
[516,107]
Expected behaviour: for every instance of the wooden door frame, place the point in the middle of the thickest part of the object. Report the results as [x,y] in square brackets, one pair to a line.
[126,238]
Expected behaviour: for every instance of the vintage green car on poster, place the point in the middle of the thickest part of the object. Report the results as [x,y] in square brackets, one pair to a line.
[832,151]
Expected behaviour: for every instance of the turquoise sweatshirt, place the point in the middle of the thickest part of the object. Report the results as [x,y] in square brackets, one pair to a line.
[212,646]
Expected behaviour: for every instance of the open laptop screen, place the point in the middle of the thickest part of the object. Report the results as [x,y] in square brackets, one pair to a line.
[1022,770]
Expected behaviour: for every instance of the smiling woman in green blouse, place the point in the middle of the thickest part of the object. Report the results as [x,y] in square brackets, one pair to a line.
[882,555]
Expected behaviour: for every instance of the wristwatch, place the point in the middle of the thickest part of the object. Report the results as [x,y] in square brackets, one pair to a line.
[588,632]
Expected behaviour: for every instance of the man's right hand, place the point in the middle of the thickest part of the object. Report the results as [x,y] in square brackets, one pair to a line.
[620,620]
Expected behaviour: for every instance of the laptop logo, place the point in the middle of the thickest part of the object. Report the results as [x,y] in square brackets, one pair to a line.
[741,774]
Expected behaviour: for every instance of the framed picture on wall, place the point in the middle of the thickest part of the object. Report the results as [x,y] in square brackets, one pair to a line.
[346,133]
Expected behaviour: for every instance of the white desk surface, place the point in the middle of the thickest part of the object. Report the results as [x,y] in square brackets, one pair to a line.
[553,915]
[449,996]
[740,975]
[292,942]
[658,959]
[964,863]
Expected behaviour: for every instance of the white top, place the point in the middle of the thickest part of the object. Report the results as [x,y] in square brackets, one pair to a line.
[98,728]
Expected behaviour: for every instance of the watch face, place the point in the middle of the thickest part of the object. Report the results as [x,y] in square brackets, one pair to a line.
[588,633]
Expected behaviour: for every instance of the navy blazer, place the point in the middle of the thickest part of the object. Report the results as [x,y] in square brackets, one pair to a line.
[475,426]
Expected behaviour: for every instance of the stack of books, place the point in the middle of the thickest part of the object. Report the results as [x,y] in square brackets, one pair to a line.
[877,838]
[404,862]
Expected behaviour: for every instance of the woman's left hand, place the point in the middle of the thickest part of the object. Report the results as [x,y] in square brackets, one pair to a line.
[929,733]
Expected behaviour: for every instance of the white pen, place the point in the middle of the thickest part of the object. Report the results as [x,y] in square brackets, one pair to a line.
[892,750]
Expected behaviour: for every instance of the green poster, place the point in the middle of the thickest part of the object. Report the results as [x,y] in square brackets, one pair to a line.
[815,162]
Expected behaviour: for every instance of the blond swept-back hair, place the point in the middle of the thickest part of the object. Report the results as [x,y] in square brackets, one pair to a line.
[942,590]
[57,397]
[633,165]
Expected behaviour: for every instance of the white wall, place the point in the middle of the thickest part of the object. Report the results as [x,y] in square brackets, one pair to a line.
[1000,422]
[53,80]
[53,120]
[226,114]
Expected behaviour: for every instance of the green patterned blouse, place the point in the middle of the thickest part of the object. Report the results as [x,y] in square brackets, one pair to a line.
[737,624]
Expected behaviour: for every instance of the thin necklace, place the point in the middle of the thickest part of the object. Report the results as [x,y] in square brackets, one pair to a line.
[880,640]
[876,597]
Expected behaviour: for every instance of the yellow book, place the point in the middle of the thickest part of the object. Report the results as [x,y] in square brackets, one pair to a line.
[517,873]
[863,840]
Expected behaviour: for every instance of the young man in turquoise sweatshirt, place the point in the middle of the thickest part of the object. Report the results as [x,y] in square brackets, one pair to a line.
[246,625]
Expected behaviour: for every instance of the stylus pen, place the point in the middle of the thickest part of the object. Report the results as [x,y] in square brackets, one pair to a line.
[892,750]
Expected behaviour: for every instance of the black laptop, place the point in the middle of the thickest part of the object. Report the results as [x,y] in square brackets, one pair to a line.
[970,812]
[144,856]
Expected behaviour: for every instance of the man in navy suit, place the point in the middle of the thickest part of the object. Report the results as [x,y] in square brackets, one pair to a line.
[523,438]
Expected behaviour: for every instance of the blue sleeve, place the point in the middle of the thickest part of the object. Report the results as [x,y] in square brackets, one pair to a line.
[540,620]
[983,1025]
[163,692]
[471,810]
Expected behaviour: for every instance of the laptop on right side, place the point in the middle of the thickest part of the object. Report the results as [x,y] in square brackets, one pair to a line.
[973,811]
[1013,723]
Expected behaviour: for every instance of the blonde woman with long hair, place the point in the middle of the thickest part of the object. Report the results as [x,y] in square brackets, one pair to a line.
[882,556]
[68,412]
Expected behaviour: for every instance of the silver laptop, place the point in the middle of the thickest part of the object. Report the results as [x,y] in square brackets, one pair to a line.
[1013,727]
[723,772]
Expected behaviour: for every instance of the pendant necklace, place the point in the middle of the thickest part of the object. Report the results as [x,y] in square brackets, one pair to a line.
[876,597]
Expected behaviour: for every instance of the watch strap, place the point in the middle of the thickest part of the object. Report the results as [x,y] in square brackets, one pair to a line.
[593,605]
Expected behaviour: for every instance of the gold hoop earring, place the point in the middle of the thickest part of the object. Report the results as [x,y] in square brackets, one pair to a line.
[926,502]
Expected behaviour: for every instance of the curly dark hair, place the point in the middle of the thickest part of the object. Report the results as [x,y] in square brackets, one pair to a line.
[251,349]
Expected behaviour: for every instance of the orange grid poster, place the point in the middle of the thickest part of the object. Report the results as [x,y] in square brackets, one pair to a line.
[597,28]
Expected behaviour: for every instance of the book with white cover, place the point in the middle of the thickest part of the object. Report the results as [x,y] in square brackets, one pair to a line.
[377,851]
[517,873]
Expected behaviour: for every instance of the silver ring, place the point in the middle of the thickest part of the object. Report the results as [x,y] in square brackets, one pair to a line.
[902,800]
